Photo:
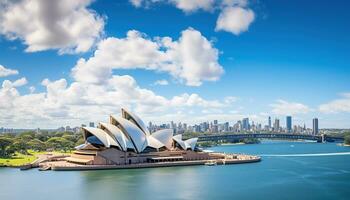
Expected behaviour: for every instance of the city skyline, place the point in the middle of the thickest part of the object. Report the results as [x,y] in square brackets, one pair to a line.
[215,60]
[243,125]
[215,126]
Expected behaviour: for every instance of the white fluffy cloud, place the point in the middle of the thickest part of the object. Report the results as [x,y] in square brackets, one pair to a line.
[235,16]
[235,20]
[184,5]
[282,107]
[338,105]
[191,59]
[50,24]
[193,5]
[63,103]
[136,3]
[161,82]
[17,83]
[6,71]
[8,93]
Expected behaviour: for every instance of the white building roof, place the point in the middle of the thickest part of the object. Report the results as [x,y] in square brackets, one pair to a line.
[178,139]
[191,143]
[135,119]
[129,132]
[106,139]
[136,135]
[122,140]
[153,142]
[165,136]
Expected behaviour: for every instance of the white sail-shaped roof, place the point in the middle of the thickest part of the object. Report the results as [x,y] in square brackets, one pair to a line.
[136,120]
[165,136]
[134,133]
[153,142]
[178,139]
[122,140]
[191,143]
[104,137]
[188,144]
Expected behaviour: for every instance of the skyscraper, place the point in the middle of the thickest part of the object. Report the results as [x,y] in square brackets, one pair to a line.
[276,125]
[226,127]
[315,126]
[245,124]
[91,124]
[289,123]
[269,122]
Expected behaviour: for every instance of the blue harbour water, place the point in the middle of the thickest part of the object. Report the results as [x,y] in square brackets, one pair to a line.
[289,170]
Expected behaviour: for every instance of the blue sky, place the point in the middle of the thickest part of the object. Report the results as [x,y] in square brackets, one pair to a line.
[291,59]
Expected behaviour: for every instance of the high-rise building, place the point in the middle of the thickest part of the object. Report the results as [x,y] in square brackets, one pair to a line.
[91,124]
[172,125]
[245,124]
[68,129]
[215,127]
[315,126]
[269,122]
[276,125]
[185,126]
[226,127]
[238,126]
[204,126]
[289,123]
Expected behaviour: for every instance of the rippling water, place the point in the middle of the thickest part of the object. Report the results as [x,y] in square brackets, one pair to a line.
[289,170]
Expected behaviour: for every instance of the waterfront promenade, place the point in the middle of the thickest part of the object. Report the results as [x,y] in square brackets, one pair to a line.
[62,165]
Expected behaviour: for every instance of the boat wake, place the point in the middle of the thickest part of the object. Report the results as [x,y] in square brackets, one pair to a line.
[307,155]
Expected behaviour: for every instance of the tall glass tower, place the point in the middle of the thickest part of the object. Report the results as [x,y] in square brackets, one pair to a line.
[289,123]
[315,126]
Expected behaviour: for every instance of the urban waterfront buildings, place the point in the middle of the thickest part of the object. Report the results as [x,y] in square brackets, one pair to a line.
[239,126]
[126,142]
[214,127]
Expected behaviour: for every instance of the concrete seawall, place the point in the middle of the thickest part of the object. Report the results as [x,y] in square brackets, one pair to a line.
[153,165]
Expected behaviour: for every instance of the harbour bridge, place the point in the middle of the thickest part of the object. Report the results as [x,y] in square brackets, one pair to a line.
[235,137]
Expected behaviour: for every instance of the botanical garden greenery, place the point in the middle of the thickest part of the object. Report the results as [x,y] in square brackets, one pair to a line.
[23,148]
[347,139]
[346,136]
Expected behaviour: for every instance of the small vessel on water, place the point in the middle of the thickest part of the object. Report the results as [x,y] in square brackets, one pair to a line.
[211,163]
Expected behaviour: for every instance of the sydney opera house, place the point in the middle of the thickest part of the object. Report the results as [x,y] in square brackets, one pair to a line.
[125,142]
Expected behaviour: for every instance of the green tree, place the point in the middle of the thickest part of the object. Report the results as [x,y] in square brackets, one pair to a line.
[59,143]
[43,136]
[37,145]
[347,139]
[20,145]
[5,147]
[69,137]
[26,136]
[80,141]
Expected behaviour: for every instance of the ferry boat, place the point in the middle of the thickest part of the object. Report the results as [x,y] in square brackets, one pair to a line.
[211,163]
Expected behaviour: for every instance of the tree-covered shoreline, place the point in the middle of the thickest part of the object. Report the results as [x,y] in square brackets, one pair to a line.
[28,142]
